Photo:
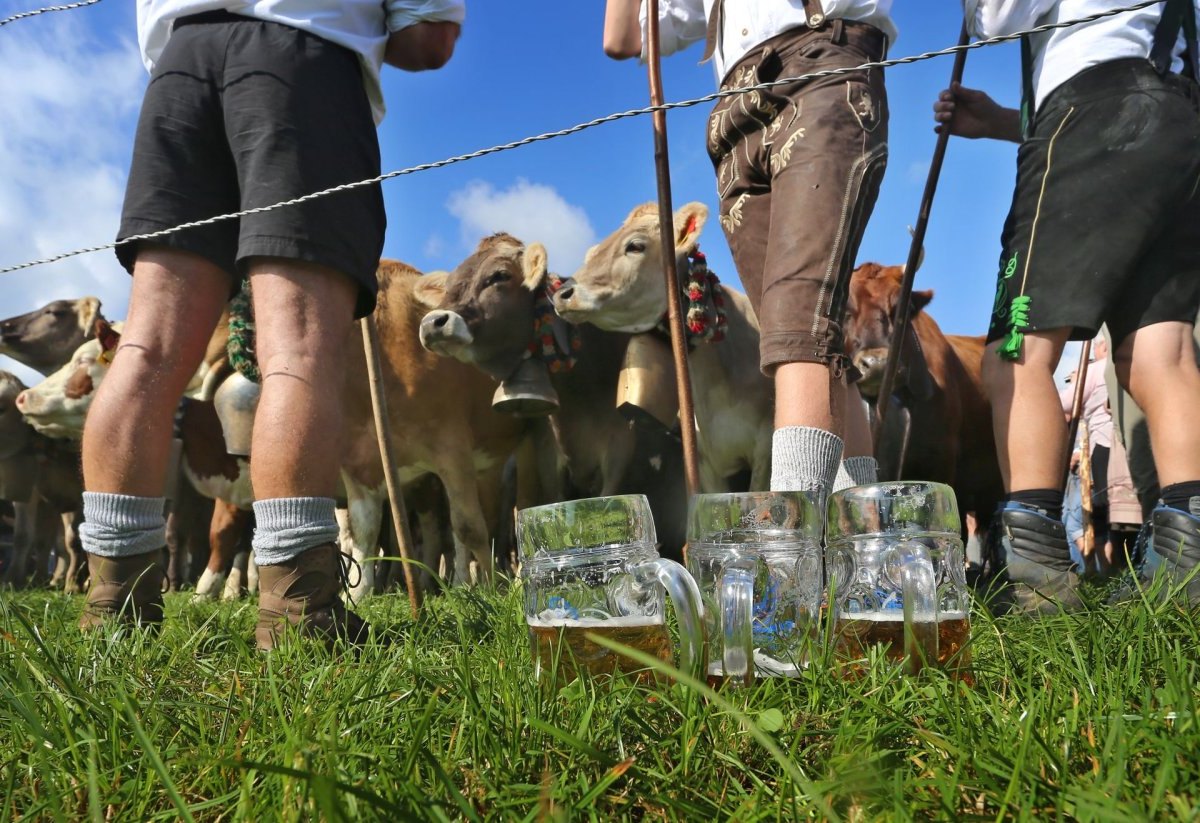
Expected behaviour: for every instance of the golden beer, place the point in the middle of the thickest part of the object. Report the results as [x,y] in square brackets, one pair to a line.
[942,643]
[565,641]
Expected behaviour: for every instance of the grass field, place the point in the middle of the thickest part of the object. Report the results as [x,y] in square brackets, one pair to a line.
[1090,717]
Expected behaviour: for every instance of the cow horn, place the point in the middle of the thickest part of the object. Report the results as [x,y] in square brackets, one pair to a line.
[920,257]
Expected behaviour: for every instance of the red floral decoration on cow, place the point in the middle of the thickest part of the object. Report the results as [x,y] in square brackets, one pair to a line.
[554,340]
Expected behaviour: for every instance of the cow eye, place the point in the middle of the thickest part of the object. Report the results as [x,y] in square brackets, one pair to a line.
[635,247]
[496,278]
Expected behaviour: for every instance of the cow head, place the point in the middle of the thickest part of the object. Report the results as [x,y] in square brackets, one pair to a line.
[484,310]
[620,286]
[870,318]
[14,431]
[57,406]
[44,339]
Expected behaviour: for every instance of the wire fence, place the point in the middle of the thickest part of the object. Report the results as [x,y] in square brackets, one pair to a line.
[599,121]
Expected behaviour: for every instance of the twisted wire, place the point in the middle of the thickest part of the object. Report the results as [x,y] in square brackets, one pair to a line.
[24,14]
[461,158]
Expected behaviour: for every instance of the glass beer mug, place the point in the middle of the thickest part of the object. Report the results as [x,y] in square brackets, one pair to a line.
[897,574]
[591,568]
[757,559]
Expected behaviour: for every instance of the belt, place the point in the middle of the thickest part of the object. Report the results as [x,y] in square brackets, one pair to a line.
[215,16]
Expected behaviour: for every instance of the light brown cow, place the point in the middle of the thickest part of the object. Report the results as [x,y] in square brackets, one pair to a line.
[485,314]
[939,384]
[44,339]
[620,288]
[443,424]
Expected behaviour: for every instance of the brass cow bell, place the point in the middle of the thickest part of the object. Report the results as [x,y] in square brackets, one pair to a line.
[527,391]
[646,387]
[236,400]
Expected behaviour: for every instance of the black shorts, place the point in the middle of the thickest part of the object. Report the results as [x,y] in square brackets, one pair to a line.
[242,113]
[1105,221]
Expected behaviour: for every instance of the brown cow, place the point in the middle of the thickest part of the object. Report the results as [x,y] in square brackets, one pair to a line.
[442,424]
[45,338]
[485,314]
[938,383]
[41,477]
[620,288]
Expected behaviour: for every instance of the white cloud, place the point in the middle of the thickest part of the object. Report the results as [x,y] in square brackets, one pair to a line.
[68,101]
[531,212]
[435,246]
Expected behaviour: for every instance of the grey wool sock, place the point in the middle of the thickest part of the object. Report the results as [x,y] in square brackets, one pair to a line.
[804,459]
[856,471]
[120,525]
[288,526]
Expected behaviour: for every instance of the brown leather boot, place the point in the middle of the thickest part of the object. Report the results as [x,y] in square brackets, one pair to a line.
[303,595]
[126,589]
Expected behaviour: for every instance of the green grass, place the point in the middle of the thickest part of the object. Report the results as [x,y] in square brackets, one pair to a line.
[1088,717]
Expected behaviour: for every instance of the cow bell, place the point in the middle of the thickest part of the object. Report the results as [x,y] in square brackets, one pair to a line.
[235,401]
[646,392]
[527,391]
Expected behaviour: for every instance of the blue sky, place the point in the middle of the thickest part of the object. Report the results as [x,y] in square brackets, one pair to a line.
[70,86]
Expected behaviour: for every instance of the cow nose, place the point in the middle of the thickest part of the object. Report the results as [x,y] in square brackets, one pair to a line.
[440,320]
[21,401]
[566,293]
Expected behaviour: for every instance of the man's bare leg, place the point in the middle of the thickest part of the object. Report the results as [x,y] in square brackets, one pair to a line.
[859,466]
[1157,366]
[303,317]
[806,449]
[1031,443]
[175,303]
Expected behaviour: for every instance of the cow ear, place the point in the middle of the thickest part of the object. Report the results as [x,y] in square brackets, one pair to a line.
[533,266]
[430,290]
[109,338]
[88,309]
[689,220]
[921,299]
[644,210]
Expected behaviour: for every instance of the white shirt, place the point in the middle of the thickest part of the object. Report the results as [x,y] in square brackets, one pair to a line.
[359,25]
[751,22]
[1061,54]
[1095,404]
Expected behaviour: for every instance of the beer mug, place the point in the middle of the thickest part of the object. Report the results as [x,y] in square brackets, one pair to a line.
[757,559]
[591,568]
[897,574]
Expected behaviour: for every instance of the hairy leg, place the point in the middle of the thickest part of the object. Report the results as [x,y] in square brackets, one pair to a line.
[806,395]
[1157,366]
[175,303]
[303,317]
[1027,418]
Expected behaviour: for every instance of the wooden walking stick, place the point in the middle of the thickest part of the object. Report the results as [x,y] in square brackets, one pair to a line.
[662,165]
[903,302]
[1077,405]
[1085,491]
[383,432]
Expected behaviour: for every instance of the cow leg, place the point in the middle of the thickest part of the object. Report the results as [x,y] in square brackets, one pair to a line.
[77,570]
[47,525]
[23,528]
[173,541]
[365,509]
[225,533]
[615,463]
[235,583]
[467,521]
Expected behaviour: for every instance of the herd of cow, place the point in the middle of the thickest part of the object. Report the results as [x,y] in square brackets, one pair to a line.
[446,340]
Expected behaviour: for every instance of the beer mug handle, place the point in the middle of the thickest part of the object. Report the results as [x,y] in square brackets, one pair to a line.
[910,566]
[685,597]
[736,599]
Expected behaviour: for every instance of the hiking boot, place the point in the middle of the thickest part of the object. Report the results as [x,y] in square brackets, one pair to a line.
[126,589]
[1038,575]
[303,595]
[1171,548]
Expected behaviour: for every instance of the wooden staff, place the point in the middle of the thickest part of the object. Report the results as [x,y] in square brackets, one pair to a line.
[666,223]
[903,303]
[1085,491]
[383,432]
[1076,405]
